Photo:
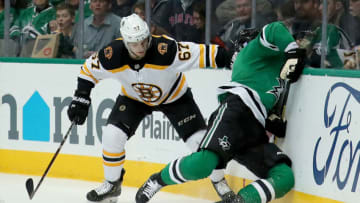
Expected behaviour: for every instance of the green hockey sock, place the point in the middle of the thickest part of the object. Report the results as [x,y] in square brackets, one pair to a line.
[279,182]
[192,167]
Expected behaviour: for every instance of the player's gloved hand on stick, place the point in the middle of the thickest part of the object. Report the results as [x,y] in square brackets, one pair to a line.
[294,65]
[79,107]
[276,125]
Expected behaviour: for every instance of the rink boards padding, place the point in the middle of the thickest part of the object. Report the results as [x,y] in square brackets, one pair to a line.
[322,135]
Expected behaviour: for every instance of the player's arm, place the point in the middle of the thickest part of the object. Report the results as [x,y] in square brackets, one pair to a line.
[277,37]
[193,56]
[91,72]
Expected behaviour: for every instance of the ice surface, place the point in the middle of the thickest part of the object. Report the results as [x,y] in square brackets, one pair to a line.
[57,190]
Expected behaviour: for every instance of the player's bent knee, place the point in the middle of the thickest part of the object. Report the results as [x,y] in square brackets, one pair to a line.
[206,161]
[282,178]
[114,139]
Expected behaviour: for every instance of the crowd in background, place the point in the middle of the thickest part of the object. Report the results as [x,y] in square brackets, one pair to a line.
[183,20]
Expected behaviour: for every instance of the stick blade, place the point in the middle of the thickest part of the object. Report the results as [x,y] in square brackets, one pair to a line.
[30,187]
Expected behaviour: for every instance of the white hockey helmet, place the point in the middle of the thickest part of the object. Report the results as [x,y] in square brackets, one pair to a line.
[134,29]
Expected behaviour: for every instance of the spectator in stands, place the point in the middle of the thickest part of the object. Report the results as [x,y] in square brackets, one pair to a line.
[355,8]
[75,6]
[11,51]
[139,9]
[199,20]
[228,34]
[338,17]
[354,23]
[157,5]
[122,8]
[99,29]
[33,21]
[176,17]
[307,16]
[65,18]
[225,12]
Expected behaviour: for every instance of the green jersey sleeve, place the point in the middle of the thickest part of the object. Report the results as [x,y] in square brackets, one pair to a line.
[276,37]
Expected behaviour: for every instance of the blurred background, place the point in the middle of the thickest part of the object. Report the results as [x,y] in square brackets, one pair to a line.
[74,29]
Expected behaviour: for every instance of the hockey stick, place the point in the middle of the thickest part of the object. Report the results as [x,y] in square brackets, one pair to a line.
[280,106]
[30,183]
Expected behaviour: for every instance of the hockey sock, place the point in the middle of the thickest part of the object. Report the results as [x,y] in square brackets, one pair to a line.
[192,167]
[280,181]
[217,175]
[113,140]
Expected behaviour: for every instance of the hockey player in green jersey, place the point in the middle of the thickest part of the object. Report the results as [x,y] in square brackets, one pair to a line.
[236,129]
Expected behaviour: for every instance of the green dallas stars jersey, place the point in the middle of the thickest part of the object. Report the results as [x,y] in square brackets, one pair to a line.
[31,23]
[333,43]
[256,69]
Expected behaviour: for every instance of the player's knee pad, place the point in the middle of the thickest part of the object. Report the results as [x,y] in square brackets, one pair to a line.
[201,163]
[193,142]
[113,139]
[282,178]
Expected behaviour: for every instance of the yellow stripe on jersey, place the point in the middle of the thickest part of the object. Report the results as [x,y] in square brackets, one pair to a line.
[179,87]
[106,153]
[213,48]
[122,68]
[167,37]
[202,52]
[155,66]
[87,73]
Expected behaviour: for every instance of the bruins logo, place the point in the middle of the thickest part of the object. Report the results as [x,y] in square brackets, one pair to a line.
[162,48]
[148,92]
[108,52]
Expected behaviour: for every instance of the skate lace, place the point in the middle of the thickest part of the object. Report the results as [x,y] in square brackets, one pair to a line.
[103,188]
[151,188]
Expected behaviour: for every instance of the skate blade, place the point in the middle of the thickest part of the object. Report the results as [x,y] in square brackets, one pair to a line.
[107,200]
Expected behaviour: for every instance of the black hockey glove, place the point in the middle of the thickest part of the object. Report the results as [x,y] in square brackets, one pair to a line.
[79,107]
[294,65]
[276,125]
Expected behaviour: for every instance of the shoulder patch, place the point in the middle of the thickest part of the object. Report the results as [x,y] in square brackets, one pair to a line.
[113,55]
[108,52]
[162,51]
[162,48]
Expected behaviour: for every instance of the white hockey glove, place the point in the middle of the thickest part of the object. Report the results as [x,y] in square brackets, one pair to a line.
[294,65]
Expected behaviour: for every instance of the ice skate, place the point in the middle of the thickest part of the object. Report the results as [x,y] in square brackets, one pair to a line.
[149,188]
[107,192]
[225,193]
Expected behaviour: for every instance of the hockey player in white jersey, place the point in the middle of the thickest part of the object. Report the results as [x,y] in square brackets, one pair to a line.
[149,69]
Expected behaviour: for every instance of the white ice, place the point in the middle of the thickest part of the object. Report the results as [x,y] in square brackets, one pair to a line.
[56,190]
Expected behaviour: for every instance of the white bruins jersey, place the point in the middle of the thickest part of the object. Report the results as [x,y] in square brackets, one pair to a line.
[157,78]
